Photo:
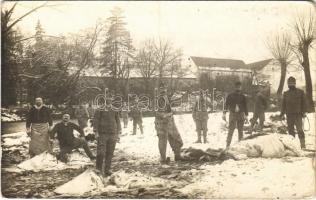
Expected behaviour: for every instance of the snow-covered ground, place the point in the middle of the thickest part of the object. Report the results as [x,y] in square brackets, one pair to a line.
[285,177]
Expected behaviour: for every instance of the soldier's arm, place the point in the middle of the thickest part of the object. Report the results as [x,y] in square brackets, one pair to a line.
[283,105]
[96,119]
[118,123]
[53,131]
[304,103]
[77,128]
[28,118]
[50,119]
[245,105]
[227,103]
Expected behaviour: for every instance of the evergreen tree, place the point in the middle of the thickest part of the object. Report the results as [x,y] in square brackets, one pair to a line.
[117,49]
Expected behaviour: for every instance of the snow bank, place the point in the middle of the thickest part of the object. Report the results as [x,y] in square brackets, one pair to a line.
[15,139]
[89,181]
[255,178]
[47,161]
[7,117]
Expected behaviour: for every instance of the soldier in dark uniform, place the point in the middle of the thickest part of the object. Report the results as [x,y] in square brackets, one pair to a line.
[166,128]
[259,110]
[137,117]
[200,117]
[107,128]
[236,103]
[295,107]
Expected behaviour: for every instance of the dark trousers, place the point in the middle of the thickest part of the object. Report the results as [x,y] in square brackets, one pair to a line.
[77,143]
[256,116]
[105,150]
[138,122]
[235,119]
[297,121]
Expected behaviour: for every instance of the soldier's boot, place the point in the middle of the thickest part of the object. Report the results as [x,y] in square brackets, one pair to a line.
[177,155]
[141,129]
[199,137]
[205,136]
[301,136]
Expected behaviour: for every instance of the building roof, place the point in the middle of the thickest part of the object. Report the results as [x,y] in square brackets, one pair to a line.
[259,65]
[216,62]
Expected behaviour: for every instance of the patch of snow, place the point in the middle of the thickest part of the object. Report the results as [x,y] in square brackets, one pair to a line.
[46,161]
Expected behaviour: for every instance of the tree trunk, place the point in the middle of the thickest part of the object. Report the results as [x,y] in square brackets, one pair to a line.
[282,79]
[308,80]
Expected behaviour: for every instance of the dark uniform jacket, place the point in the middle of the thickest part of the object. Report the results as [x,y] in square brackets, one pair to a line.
[136,114]
[200,110]
[65,134]
[234,99]
[106,122]
[294,102]
[260,104]
[42,115]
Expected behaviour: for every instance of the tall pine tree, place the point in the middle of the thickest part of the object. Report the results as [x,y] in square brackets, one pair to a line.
[117,50]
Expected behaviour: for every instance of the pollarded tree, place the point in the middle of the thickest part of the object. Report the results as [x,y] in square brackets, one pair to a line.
[280,48]
[305,32]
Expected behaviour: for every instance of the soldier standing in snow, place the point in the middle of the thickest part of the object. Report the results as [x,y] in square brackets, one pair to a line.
[259,110]
[107,128]
[137,117]
[38,124]
[295,107]
[166,128]
[236,104]
[200,117]
[124,114]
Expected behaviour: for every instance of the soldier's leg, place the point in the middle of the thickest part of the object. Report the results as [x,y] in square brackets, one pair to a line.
[254,120]
[110,147]
[300,131]
[81,143]
[290,124]
[63,154]
[231,128]
[101,148]
[261,120]
[175,146]
[140,125]
[162,145]
[204,125]
[134,126]
[198,131]
[240,126]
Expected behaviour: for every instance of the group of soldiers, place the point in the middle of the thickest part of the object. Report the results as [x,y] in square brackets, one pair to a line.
[107,126]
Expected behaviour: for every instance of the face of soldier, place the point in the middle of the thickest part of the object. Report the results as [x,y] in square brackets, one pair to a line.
[66,118]
[238,88]
[291,85]
[38,101]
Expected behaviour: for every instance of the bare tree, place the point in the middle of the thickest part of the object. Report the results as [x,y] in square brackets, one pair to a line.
[305,32]
[280,48]
[165,56]
[145,63]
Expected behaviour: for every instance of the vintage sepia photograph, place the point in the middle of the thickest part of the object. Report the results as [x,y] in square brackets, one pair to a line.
[158,99]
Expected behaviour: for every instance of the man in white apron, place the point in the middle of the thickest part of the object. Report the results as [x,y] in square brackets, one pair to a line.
[38,124]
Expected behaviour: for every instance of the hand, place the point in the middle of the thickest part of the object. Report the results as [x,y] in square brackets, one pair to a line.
[28,132]
[246,120]
[83,137]
[50,128]
[118,139]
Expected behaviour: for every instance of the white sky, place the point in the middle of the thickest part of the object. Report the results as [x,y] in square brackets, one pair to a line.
[212,29]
